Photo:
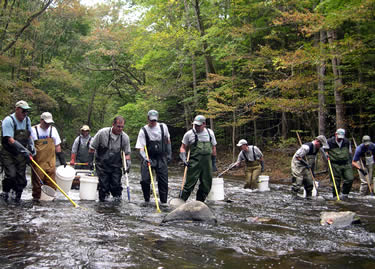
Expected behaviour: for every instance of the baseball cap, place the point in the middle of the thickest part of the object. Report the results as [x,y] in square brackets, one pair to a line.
[366,140]
[340,133]
[241,142]
[199,120]
[47,117]
[153,115]
[22,104]
[85,128]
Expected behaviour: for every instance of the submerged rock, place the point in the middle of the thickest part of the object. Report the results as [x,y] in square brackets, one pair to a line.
[339,219]
[193,211]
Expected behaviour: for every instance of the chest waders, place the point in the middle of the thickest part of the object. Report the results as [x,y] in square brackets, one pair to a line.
[108,165]
[82,154]
[156,151]
[46,159]
[14,162]
[252,169]
[342,168]
[200,168]
[301,176]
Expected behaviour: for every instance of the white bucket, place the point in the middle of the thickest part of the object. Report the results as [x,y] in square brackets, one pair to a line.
[47,193]
[217,189]
[314,193]
[263,183]
[64,177]
[88,187]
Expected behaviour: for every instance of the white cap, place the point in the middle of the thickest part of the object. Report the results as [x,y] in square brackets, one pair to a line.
[366,140]
[340,133]
[323,140]
[47,117]
[85,128]
[199,120]
[153,115]
[22,104]
[241,142]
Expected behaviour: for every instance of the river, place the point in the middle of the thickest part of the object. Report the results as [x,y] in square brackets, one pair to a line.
[254,230]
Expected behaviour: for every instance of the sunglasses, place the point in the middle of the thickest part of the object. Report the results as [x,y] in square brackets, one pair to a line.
[25,111]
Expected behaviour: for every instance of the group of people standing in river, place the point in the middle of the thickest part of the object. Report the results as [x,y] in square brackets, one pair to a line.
[41,144]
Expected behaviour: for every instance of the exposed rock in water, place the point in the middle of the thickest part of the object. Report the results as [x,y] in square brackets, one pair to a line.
[339,219]
[193,211]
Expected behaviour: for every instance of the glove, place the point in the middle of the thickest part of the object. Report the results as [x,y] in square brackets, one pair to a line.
[303,162]
[363,171]
[262,165]
[32,147]
[21,149]
[144,157]
[169,153]
[213,159]
[91,161]
[183,158]
[128,164]
[61,158]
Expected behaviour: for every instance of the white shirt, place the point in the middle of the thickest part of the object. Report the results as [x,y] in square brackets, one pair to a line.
[45,134]
[154,134]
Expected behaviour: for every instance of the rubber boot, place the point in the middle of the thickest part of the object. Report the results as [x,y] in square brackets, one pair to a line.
[4,196]
[346,188]
[17,198]
[102,196]
[146,191]
[309,195]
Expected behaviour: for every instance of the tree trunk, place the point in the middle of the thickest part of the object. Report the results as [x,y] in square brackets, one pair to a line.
[321,69]
[284,125]
[338,84]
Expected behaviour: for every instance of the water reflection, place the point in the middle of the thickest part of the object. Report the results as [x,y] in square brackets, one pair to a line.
[254,230]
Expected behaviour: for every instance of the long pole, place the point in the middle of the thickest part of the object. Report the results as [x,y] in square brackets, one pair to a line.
[126,175]
[311,173]
[152,181]
[53,182]
[184,177]
[333,177]
[363,167]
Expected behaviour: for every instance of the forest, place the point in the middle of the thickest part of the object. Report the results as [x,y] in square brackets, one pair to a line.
[257,69]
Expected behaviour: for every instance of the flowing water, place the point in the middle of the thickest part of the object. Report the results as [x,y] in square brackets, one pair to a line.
[254,230]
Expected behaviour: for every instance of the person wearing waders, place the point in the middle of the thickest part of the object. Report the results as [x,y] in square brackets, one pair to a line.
[301,174]
[16,130]
[340,154]
[108,145]
[156,137]
[365,152]
[80,148]
[48,146]
[254,163]
[202,161]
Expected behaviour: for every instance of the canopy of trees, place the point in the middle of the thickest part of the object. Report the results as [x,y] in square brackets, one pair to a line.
[258,69]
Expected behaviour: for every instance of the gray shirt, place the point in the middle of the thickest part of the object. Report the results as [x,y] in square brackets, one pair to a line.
[250,154]
[153,132]
[84,141]
[204,136]
[101,138]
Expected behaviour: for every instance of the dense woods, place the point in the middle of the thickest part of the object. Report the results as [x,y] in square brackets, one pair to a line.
[258,69]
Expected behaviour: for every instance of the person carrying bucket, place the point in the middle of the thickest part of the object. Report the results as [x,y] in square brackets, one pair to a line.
[156,137]
[340,157]
[363,160]
[301,175]
[202,161]
[48,146]
[254,163]
[16,131]
[108,144]
[80,149]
